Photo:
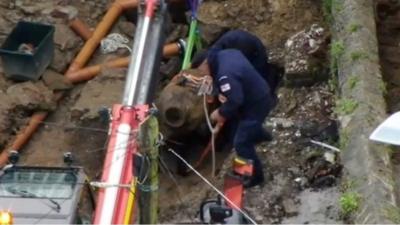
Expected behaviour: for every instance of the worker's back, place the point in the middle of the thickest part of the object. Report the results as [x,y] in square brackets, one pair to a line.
[231,67]
[252,48]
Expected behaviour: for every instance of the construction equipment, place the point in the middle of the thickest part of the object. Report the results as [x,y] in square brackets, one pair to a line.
[221,211]
[117,197]
[388,131]
[45,195]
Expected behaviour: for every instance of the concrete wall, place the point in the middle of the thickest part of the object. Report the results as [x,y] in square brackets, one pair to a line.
[367,165]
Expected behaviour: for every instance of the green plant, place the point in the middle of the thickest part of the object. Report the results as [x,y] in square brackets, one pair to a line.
[348,185]
[333,81]
[349,202]
[331,6]
[358,55]
[345,106]
[352,81]
[393,213]
[353,27]
[327,9]
[344,139]
[336,49]
[337,5]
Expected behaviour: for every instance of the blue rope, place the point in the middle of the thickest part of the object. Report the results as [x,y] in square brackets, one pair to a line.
[193,7]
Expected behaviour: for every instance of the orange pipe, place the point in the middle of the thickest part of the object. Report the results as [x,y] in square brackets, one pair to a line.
[25,134]
[81,29]
[23,137]
[92,71]
[100,32]
[81,59]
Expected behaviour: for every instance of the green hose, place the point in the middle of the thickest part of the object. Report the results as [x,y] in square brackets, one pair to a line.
[193,38]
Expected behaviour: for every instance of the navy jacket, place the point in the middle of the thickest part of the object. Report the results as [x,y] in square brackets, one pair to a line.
[236,79]
[248,44]
[251,47]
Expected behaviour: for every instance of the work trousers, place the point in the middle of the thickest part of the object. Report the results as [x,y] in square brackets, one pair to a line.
[249,132]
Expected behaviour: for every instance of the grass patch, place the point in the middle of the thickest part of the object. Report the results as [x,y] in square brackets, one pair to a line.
[348,185]
[337,5]
[344,139]
[327,9]
[358,55]
[349,203]
[336,49]
[353,27]
[333,81]
[331,6]
[393,213]
[352,82]
[346,106]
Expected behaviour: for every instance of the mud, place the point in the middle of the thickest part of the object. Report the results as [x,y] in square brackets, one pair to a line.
[298,175]
[274,21]
[291,165]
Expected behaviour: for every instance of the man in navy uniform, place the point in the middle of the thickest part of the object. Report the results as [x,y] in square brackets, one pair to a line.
[252,48]
[246,100]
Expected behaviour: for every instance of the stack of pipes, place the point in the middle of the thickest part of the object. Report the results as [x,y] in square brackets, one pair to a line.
[76,71]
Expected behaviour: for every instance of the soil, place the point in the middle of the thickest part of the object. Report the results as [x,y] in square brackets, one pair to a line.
[273,21]
[302,184]
[298,175]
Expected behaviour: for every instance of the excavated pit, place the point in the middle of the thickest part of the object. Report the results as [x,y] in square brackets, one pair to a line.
[298,174]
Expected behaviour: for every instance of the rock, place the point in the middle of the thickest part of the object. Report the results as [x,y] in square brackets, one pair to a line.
[276,56]
[290,207]
[303,55]
[330,157]
[309,128]
[32,96]
[101,92]
[259,218]
[301,182]
[179,31]
[4,4]
[31,9]
[320,207]
[280,123]
[55,81]
[211,32]
[5,26]
[321,130]
[65,12]
[65,38]
[62,59]
[127,28]
[171,68]
[97,12]
[6,107]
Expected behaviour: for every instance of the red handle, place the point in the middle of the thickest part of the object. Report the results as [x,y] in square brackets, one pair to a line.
[151,4]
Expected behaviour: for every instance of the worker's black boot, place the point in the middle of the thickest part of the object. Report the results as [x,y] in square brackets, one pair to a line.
[255,181]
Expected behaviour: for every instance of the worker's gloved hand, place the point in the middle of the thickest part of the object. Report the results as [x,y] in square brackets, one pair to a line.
[217,117]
